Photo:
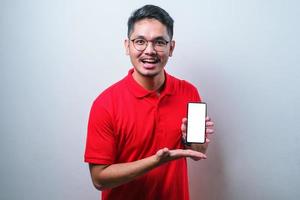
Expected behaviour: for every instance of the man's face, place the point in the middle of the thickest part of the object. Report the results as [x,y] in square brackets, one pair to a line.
[149,62]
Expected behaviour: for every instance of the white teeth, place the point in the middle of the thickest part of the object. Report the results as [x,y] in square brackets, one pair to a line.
[150,60]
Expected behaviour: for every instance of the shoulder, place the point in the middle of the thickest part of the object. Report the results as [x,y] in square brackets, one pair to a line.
[110,94]
[184,89]
[182,85]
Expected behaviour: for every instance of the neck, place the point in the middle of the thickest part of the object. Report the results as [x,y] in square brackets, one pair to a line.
[152,83]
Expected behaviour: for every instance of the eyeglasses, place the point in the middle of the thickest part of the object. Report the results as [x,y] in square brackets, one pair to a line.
[158,44]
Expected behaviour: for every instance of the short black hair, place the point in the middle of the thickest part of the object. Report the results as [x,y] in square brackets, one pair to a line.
[151,12]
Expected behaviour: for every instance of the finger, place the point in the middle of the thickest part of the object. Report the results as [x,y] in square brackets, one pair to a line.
[184,120]
[163,152]
[209,131]
[207,118]
[207,140]
[209,123]
[195,155]
[197,158]
[183,127]
[183,136]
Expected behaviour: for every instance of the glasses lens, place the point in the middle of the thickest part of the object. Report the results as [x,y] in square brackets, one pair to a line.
[160,45]
[140,44]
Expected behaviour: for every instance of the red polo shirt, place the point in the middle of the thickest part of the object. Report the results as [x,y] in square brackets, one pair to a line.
[128,123]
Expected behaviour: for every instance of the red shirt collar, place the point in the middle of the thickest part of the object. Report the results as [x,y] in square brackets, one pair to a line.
[141,92]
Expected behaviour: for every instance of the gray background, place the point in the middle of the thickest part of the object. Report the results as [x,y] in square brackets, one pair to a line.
[57,56]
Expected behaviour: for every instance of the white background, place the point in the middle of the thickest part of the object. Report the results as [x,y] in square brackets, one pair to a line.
[56,56]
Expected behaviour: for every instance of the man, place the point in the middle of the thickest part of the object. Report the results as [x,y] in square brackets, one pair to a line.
[134,142]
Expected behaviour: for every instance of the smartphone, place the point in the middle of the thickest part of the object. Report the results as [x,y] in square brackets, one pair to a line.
[196,122]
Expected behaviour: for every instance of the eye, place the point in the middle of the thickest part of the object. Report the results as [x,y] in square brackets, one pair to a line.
[160,43]
[139,41]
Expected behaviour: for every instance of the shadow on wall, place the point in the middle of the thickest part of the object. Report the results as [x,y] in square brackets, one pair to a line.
[208,177]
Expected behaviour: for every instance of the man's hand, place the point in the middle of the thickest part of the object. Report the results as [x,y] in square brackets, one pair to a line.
[209,130]
[165,155]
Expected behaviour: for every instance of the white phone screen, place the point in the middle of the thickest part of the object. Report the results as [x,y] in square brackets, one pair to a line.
[196,123]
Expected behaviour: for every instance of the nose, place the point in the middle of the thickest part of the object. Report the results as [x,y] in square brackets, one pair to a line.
[150,48]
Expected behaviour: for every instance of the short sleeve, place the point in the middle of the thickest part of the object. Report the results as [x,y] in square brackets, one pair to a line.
[100,142]
[192,92]
[195,94]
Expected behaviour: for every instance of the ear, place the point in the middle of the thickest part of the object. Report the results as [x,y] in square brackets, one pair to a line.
[172,47]
[126,45]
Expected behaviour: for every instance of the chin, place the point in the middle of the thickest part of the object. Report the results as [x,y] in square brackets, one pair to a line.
[150,72]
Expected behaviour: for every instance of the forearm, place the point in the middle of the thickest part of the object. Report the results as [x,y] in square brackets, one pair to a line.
[111,176]
[118,174]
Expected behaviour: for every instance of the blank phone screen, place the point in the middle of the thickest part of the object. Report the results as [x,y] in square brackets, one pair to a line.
[196,123]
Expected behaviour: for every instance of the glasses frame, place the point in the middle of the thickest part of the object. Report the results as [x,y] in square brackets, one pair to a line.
[147,43]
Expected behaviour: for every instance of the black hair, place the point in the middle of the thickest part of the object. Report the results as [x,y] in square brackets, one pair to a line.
[151,12]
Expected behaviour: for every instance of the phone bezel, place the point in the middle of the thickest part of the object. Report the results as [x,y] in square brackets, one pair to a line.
[186,141]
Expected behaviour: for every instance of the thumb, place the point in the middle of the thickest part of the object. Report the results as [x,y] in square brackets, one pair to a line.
[162,153]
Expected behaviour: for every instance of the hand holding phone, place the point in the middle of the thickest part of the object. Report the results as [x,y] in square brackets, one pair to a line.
[196,122]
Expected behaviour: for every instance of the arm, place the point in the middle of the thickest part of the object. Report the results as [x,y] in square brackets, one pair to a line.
[209,130]
[110,176]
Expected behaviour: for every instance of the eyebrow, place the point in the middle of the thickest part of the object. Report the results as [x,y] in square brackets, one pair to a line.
[156,38]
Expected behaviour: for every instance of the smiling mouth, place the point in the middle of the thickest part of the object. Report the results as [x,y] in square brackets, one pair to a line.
[150,61]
